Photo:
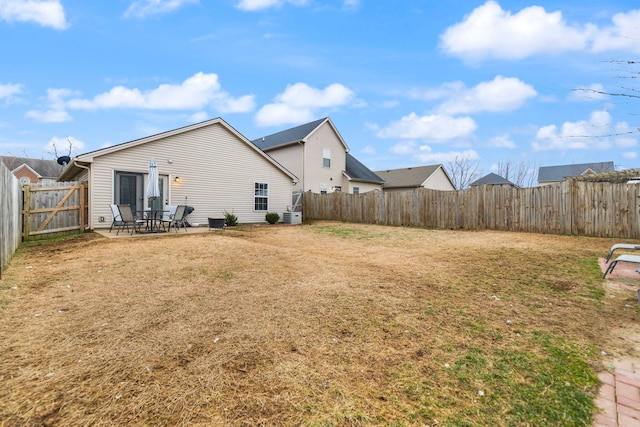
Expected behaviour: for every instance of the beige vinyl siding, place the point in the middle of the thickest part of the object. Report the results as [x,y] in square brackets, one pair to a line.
[363,186]
[217,169]
[438,181]
[315,174]
[290,157]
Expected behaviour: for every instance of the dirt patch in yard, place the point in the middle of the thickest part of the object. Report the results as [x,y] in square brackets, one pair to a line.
[324,324]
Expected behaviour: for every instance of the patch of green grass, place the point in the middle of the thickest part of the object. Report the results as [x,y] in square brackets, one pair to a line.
[550,383]
[346,232]
[593,285]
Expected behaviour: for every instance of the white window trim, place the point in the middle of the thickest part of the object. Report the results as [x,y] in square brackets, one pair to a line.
[255,196]
[326,155]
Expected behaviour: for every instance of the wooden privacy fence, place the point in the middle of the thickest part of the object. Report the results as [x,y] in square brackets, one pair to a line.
[573,208]
[54,209]
[10,222]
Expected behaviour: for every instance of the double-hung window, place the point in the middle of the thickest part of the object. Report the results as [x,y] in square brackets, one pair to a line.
[326,158]
[261,193]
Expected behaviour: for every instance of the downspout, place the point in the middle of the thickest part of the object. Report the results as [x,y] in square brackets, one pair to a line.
[304,158]
[75,163]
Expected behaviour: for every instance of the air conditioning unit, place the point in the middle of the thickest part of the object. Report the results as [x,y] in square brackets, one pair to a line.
[292,217]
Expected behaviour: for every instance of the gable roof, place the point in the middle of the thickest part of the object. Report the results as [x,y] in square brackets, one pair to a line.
[294,135]
[559,173]
[85,159]
[491,179]
[42,168]
[356,171]
[412,177]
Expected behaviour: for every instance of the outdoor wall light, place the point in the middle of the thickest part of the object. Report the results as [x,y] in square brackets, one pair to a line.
[177,179]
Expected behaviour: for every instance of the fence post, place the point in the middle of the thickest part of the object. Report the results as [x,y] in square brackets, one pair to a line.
[26,203]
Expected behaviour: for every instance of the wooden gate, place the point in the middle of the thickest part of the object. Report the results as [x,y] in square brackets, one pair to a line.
[51,210]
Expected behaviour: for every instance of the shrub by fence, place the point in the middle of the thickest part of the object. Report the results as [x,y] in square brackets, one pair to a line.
[571,208]
[11,221]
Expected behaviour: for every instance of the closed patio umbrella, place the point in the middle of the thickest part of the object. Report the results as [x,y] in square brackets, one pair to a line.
[153,184]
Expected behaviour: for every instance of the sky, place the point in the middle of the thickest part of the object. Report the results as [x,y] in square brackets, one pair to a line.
[406,82]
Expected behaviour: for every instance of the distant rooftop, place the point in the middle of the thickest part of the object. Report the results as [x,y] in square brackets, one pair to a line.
[407,177]
[491,179]
[48,169]
[559,173]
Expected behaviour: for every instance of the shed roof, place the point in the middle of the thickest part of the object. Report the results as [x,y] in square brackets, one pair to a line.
[559,173]
[412,177]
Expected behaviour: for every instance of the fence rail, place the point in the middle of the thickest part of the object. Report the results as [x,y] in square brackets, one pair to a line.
[570,208]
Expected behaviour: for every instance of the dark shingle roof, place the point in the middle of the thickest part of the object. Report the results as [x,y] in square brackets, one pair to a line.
[44,168]
[294,134]
[407,177]
[491,179]
[359,172]
[559,173]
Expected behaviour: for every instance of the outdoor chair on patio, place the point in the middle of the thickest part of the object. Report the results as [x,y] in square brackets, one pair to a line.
[128,219]
[634,259]
[178,218]
[626,246]
[117,219]
[167,215]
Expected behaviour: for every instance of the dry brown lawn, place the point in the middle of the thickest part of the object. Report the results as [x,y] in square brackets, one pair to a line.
[321,324]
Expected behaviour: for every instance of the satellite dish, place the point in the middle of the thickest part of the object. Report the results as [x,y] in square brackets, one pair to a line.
[63,160]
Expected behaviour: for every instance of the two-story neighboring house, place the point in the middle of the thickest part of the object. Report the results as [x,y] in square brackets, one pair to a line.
[554,174]
[316,153]
[33,171]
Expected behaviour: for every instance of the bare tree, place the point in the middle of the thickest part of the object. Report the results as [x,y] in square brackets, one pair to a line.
[462,171]
[521,174]
[54,147]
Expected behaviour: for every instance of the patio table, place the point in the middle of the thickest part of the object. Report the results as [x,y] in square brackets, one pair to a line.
[153,218]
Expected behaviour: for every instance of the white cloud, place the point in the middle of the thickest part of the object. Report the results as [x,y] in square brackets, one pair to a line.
[500,94]
[9,91]
[46,13]
[426,155]
[492,32]
[197,92]
[200,116]
[594,92]
[49,116]
[404,148]
[369,150]
[630,155]
[144,8]
[502,141]
[56,111]
[597,133]
[434,128]
[255,5]
[622,35]
[278,114]
[63,145]
[299,103]
[351,4]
